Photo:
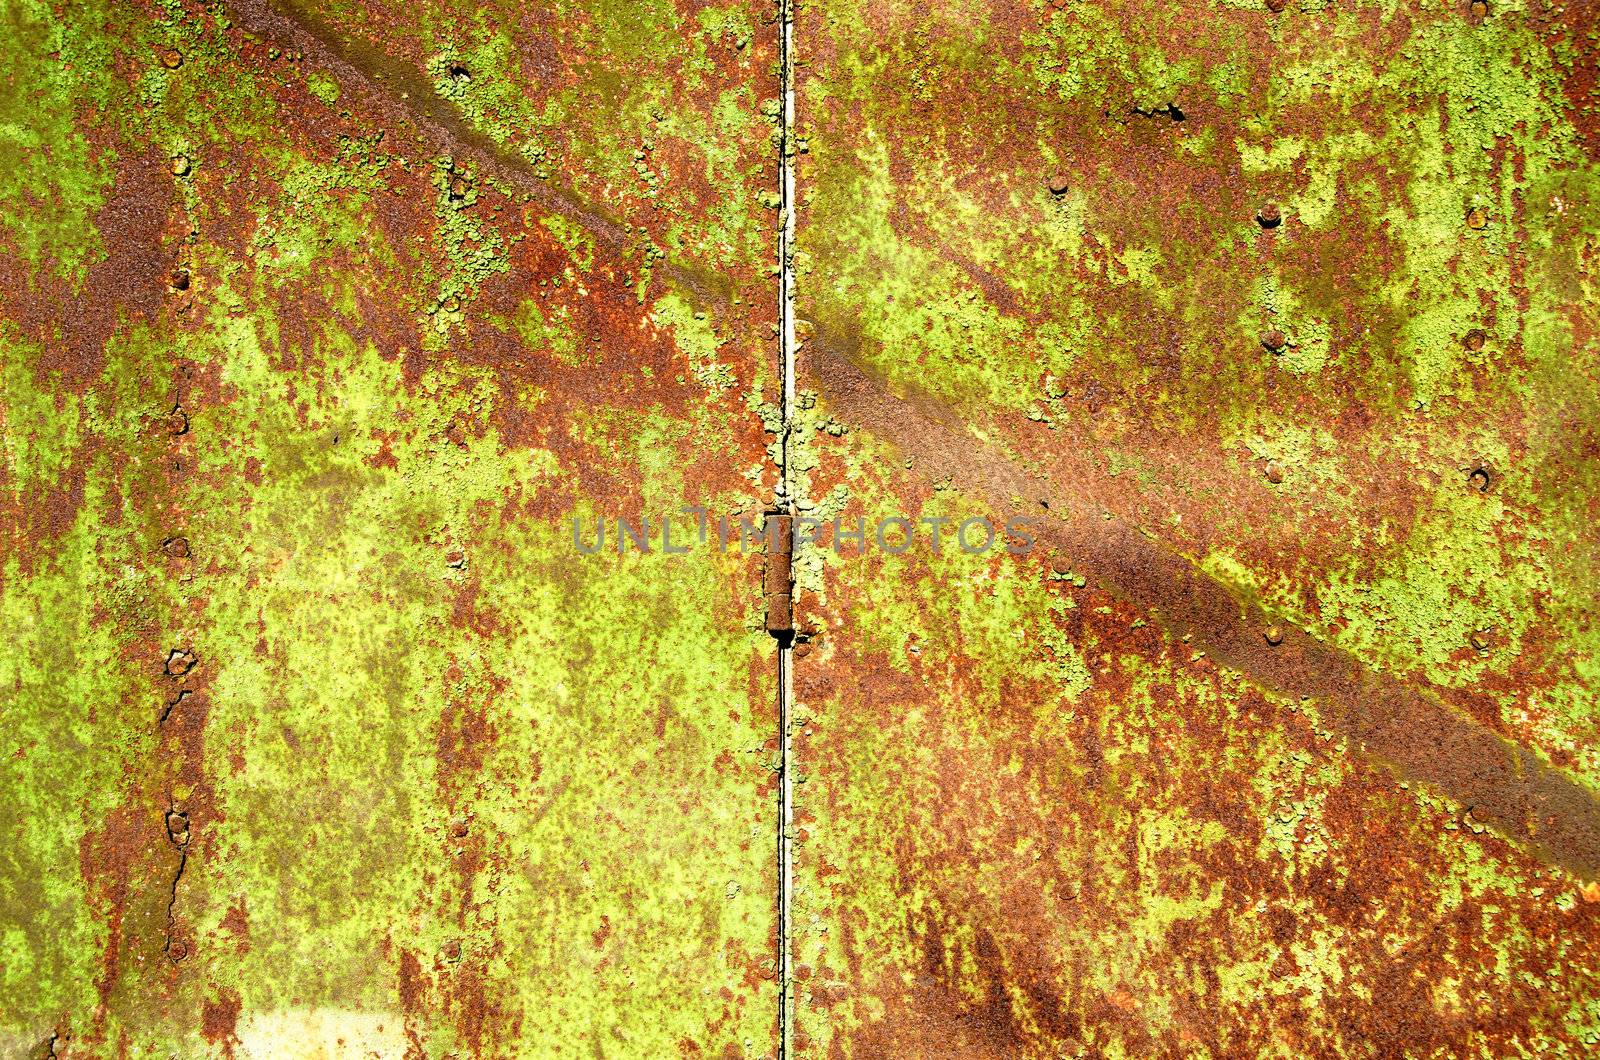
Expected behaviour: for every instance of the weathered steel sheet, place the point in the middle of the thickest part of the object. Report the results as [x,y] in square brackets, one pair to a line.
[317,324]
[1242,368]
[1281,325]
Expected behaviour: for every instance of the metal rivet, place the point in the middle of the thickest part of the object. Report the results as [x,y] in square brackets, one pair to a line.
[177,422]
[1273,635]
[176,547]
[1059,184]
[1477,218]
[1269,215]
[177,950]
[171,58]
[1479,479]
[1480,640]
[1274,472]
[180,165]
[1480,9]
[1473,340]
[178,280]
[1273,339]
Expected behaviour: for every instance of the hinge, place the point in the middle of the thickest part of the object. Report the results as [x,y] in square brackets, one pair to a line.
[778,579]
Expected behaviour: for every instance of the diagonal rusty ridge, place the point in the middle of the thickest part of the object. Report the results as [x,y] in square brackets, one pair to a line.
[1406,728]
[398,93]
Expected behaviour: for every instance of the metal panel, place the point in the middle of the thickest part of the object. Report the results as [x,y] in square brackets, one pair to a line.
[321,738]
[1280,325]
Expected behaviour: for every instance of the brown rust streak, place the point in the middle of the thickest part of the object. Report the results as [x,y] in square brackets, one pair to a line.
[1407,729]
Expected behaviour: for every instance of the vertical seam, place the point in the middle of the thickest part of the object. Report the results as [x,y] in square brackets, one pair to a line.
[785,504]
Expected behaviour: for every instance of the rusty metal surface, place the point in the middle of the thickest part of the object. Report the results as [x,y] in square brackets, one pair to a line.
[1271,734]
[317,324]
[1281,324]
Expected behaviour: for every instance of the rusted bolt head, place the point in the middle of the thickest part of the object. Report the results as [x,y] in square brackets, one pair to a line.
[1059,184]
[1274,340]
[177,950]
[1269,215]
[171,58]
[1473,340]
[802,649]
[459,827]
[1277,5]
[1479,9]
[180,165]
[451,950]
[1273,635]
[179,662]
[178,279]
[177,422]
[1480,639]
[1274,472]
[176,547]
[1479,479]
[456,558]
[178,826]
[458,188]
[1477,218]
